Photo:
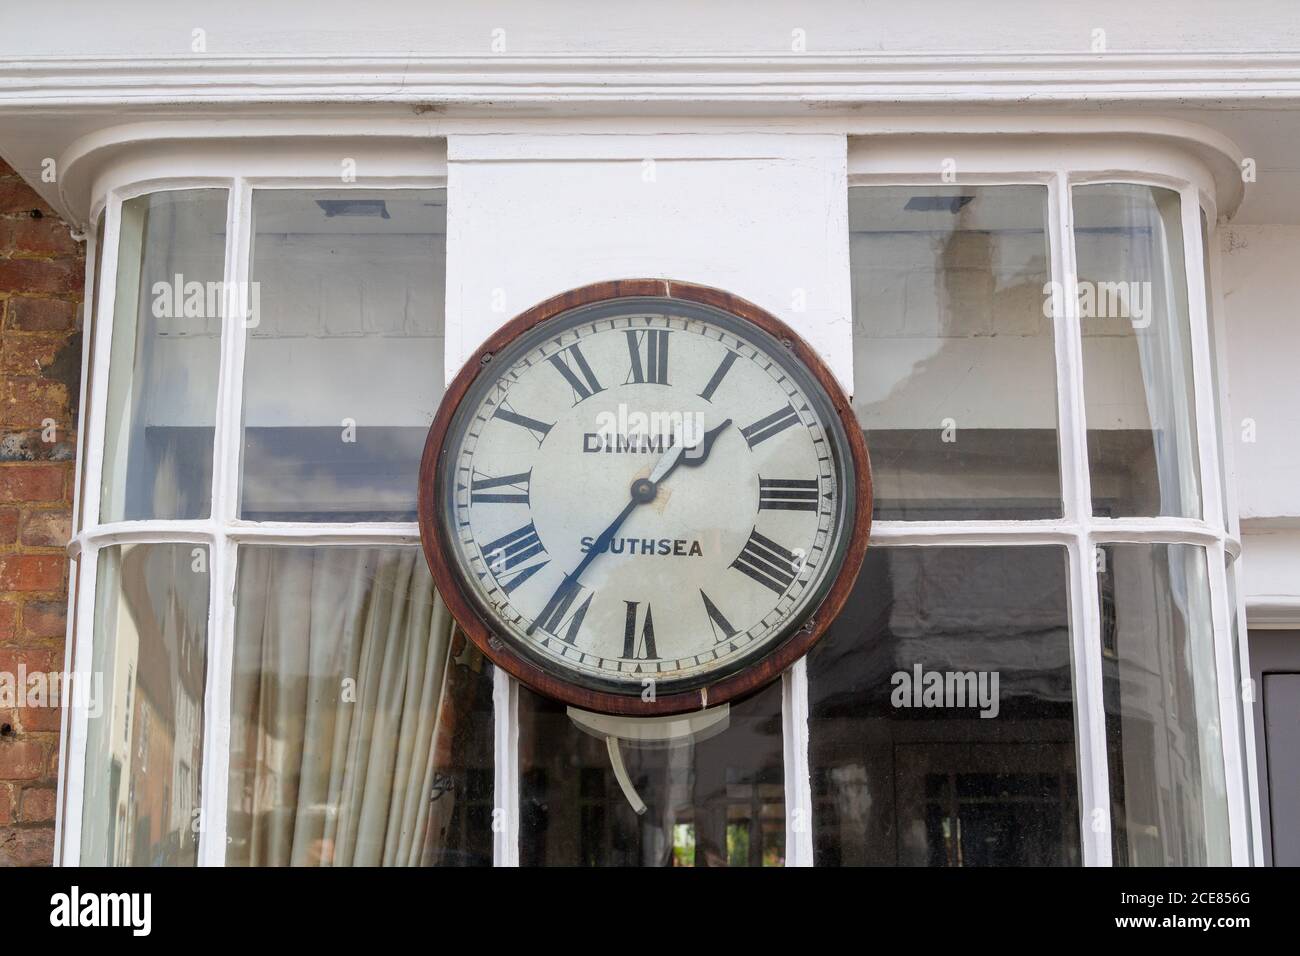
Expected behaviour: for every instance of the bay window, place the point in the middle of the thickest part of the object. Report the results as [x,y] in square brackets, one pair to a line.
[1034,370]
[1035,374]
[274,359]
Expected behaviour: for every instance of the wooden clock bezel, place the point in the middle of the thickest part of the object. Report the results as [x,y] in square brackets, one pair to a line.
[466,612]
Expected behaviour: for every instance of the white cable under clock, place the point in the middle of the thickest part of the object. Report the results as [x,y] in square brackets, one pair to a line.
[648,732]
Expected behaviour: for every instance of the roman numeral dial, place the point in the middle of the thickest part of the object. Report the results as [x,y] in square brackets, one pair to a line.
[722,628]
[767,562]
[573,366]
[513,548]
[564,613]
[718,375]
[538,429]
[640,500]
[508,489]
[639,638]
[788,494]
[649,353]
[770,426]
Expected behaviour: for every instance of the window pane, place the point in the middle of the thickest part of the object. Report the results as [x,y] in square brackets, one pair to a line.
[162,381]
[1220,423]
[343,367]
[1168,805]
[941,715]
[1242,700]
[90,322]
[1137,353]
[361,721]
[715,801]
[954,366]
[144,745]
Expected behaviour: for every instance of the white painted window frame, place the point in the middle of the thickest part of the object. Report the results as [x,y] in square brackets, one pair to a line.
[989,162]
[1078,530]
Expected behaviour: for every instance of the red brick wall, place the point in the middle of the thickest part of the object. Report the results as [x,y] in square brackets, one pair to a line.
[41,275]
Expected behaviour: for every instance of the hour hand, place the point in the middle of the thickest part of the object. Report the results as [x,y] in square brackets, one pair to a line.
[679,455]
[694,456]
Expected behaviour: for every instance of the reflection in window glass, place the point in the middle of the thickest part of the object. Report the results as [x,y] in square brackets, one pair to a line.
[343,366]
[1168,805]
[361,730]
[144,742]
[941,715]
[714,801]
[1243,699]
[1137,353]
[948,311]
[162,381]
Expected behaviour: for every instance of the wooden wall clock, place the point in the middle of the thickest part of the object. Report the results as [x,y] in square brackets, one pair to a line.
[645,497]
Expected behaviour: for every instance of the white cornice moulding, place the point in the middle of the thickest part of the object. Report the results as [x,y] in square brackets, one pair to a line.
[1272,611]
[189,146]
[562,80]
[1268,575]
[82,112]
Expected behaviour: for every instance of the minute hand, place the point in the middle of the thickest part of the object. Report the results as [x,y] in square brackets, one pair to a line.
[602,540]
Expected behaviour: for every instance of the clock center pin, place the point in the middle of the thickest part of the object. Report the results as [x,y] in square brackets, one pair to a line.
[643,490]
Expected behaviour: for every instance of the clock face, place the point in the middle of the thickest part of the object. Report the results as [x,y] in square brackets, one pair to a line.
[644,496]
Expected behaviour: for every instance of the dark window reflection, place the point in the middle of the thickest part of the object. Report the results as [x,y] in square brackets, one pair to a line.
[906,771]
[718,801]
[459,832]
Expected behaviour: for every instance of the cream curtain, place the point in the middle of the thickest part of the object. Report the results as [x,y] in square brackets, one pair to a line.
[340,671]
[1164,349]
